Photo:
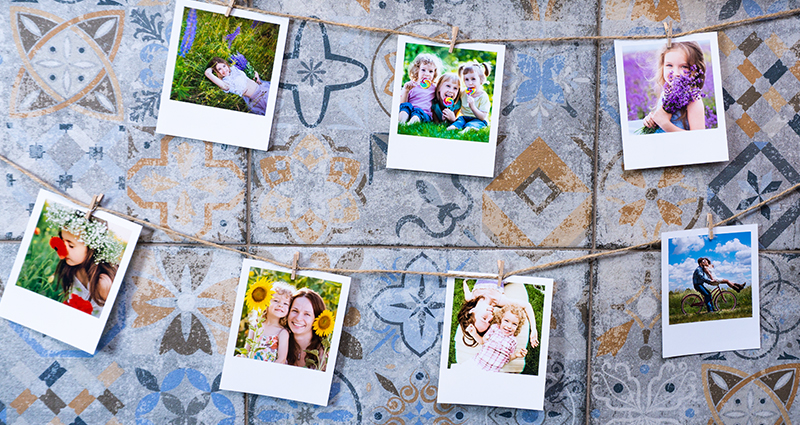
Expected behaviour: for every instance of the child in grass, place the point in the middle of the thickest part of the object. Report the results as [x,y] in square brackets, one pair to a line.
[682,58]
[447,102]
[417,95]
[499,342]
[89,257]
[233,80]
[475,102]
[272,338]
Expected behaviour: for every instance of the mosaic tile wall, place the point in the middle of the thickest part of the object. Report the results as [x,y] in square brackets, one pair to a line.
[324,187]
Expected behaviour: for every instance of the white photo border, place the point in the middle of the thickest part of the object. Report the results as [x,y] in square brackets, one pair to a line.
[528,390]
[667,149]
[297,383]
[714,335]
[219,125]
[436,155]
[48,316]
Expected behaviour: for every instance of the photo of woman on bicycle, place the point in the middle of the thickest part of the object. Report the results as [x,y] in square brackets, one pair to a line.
[710,290]
[708,278]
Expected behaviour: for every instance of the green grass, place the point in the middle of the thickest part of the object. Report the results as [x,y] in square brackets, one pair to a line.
[37,273]
[535,297]
[430,129]
[257,44]
[744,307]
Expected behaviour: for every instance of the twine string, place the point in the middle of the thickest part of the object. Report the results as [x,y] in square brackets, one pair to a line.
[500,275]
[443,37]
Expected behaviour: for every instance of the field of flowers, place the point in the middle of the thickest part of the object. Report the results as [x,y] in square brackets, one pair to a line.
[641,93]
[249,44]
[38,269]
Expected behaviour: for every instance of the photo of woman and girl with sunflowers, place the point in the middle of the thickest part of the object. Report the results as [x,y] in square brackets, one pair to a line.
[287,321]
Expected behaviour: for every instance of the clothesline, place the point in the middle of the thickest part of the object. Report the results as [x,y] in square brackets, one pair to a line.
[456,39]
[500,275]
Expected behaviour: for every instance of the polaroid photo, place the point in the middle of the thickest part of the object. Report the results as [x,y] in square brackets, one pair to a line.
[222,75]
[670,102]
[709,290]
[68,271]
[445,107]
[495,337]
[285,333]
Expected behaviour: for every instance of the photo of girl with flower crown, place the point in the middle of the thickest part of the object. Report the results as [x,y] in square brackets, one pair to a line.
[68,271]
[71,259]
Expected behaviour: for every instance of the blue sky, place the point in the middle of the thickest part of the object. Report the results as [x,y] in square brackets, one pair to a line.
[730,254]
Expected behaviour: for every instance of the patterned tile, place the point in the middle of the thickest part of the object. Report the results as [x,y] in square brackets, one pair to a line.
[630,380]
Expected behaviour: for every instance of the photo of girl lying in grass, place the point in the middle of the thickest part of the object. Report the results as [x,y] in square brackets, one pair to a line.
[446,95]
[221,61]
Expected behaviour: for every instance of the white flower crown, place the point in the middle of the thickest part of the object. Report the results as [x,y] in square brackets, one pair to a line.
[91,232]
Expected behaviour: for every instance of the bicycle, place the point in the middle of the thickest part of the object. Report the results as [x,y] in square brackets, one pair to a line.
[721,299]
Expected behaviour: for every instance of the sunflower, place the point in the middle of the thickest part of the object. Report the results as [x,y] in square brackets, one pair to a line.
[323,324]
[259,295]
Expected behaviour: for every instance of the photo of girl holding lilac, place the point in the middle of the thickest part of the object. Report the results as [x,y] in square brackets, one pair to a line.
[669,87]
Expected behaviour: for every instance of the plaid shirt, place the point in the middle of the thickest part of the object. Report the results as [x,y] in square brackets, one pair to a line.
[496,351]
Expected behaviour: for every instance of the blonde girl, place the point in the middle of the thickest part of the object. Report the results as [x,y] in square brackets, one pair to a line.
[499,344]
[272,338]
[475,102]
[681,58]
[416,96]
[447,102]
[89,257]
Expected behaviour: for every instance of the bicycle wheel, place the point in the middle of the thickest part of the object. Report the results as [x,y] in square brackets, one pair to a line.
[692,303]
[725,300]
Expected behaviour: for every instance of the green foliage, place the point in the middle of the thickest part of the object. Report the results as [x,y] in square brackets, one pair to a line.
[535,297]
[257,44]
[744,307]
[430,129]
[451,61]
[37,273]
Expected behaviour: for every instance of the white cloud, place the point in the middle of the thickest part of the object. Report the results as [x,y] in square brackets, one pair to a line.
[680,275]
[744,257]
[687,244]
[731,246]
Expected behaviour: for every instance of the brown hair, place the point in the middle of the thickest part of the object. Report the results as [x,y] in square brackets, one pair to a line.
[465,318]
[318,305]
[66,274]
[513,309]
[694,57]
[452,77]
[482,69]
[213,64]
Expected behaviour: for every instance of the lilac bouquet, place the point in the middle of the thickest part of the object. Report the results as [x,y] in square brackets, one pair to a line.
[238,60]
[679,91]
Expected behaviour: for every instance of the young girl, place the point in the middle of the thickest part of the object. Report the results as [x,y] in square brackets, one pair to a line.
[89,256]
[475,102]
[417,94]
[707,266]
[447,102]
[682,58]
[499,342]
[494,296]
[272,338]
[233,80]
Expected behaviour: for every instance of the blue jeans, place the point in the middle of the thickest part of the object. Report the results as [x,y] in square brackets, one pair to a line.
[469,122]
[706,296]
[414,111]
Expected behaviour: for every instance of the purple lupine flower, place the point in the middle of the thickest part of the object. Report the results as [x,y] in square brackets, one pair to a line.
[230,37]
[255,24]
[189,33]
[238,60]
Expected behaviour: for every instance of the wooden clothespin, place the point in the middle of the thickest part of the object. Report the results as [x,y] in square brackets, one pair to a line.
[710,226]
[453,39]
[500,266]
[294,265]
[668,30]
[93,206]
[230,8]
